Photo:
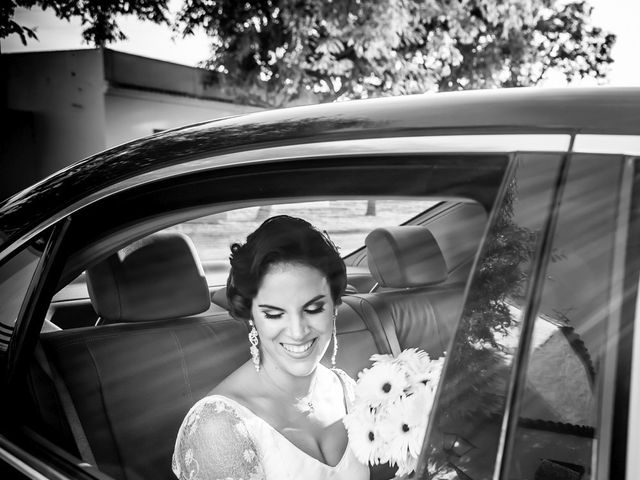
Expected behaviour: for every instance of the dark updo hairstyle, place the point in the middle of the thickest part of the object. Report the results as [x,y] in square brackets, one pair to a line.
[281,239]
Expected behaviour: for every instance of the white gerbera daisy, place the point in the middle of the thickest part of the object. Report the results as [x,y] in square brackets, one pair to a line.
[406,466]
[378,358]
[416,363]
[365,440]
[404,427]
[420,369]
[434,370]
[382,383]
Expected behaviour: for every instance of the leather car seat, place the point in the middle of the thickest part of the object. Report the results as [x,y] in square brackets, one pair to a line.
[139,282]
[413,301]
[130,382]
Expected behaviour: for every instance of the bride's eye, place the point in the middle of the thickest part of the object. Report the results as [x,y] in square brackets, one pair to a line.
[272,315]
[313,310]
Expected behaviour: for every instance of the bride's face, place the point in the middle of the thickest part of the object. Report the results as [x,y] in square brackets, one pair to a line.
[293,313]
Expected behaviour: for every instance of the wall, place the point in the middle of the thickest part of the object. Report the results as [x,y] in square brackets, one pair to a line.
[64,106]
[146,95]
[63,93]
[132,113]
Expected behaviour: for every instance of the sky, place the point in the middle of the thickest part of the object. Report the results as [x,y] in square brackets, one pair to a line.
[621,17]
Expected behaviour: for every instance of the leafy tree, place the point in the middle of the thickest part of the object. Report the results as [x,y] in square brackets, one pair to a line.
[278,52]
[98,17]
[479,369]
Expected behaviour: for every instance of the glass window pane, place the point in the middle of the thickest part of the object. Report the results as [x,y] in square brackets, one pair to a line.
[467,420]
[346,221]
[558,414]
[15,276]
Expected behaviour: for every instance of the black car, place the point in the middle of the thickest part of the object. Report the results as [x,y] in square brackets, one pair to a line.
[499,229]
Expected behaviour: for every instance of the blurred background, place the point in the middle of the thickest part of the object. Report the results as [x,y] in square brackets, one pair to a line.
[80,76]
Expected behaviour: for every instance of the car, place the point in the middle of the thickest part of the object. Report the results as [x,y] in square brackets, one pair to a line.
[497,229]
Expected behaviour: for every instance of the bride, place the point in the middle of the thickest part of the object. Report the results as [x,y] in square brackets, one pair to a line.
[277,416]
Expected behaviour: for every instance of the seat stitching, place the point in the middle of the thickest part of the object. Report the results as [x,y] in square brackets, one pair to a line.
[183,363]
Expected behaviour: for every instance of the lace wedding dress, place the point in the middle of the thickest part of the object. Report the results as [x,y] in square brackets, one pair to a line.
[221,439]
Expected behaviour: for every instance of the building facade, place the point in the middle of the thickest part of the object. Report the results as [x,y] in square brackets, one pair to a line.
[63,106]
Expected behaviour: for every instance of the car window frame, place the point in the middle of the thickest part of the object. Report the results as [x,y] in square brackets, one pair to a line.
[51,269]
[509,416]
[614,402]
[154,222]
[441,142]
[531,306]
[633,439]
[36,301]
[618,452]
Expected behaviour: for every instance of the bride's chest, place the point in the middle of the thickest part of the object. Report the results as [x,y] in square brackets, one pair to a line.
[322,437]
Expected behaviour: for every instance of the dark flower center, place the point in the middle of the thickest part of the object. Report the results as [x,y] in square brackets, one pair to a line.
[405,427]
[371,437]
[386,388]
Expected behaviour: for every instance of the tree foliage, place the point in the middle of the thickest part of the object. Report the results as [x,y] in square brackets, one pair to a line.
[479,362]
[278,52]
[282,50]
[99,18]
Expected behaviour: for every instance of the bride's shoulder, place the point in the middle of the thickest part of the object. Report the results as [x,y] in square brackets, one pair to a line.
[236,386]
[215,440]
[225,398]
[214,416]
[212,407]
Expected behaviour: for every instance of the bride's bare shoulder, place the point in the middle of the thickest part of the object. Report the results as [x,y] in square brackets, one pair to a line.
[237,386]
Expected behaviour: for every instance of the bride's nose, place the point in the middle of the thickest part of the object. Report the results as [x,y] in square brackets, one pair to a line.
[298,327]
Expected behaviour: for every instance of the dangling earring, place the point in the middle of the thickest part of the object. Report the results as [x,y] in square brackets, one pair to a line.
[335,341]
[253,340]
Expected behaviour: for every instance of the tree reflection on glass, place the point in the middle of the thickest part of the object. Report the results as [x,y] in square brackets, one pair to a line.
[472,397]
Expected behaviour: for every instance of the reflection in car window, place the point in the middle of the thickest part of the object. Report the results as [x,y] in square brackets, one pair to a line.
[558,413]
[15,276]
[466,422]
[346,221]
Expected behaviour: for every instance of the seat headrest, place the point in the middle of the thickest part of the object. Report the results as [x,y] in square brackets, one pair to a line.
[156,278]
[405,256]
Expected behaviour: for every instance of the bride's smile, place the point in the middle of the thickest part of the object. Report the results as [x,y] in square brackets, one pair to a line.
[298,349]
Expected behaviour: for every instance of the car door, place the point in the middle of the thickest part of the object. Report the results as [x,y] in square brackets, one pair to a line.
[110,222]
[538,378]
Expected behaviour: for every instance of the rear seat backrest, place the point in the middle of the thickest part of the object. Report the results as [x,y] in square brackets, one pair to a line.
[413,297]
[133,381]
[132,384]
[403,257]
[155,278]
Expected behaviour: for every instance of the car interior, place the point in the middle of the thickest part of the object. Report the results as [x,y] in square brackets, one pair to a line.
[115,393]
[136,331]
[115,374]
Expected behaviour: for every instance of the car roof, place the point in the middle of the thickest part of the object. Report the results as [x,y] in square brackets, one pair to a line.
[597,110]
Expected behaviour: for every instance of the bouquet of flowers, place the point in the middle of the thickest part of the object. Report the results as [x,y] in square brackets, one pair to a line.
[393,401]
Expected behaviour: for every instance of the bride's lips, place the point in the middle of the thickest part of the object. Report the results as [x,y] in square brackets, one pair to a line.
[299,350]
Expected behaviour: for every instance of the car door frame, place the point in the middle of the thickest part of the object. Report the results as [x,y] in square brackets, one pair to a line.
[34,306]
